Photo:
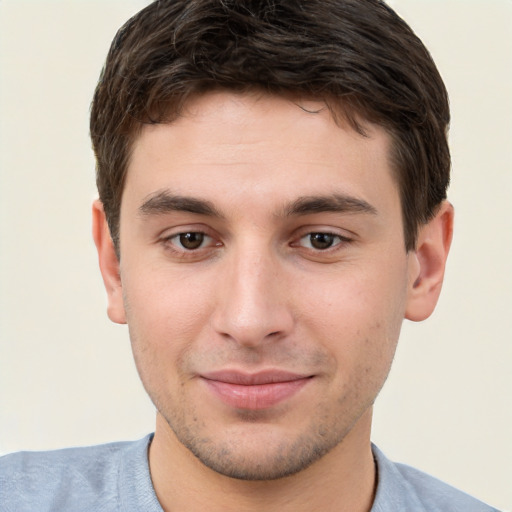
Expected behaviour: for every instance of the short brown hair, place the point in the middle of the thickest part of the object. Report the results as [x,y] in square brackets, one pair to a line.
[358,55]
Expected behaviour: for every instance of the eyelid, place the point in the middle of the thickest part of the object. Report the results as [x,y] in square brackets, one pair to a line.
[166,237]
[333,235]
[344,234]
[335,245]
[171,231]
[204,242]
[333,253]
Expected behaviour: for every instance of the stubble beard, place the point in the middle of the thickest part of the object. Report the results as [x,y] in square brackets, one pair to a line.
[265,446]
[279,458]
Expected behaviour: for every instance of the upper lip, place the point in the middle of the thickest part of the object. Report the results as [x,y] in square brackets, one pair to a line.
[253,379]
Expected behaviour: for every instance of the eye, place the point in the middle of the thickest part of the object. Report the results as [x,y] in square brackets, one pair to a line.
[190,240]
[320,241]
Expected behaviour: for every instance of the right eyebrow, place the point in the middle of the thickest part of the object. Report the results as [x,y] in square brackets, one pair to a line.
[164,201]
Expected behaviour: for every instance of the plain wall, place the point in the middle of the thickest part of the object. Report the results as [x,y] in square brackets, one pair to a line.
[66,373]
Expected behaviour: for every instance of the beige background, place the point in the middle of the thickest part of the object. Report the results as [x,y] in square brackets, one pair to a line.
[66,374]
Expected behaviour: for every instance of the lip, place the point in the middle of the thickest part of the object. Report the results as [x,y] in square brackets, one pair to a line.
[255,391]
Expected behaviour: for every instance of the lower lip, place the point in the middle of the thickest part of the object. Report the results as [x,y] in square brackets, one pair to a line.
[255,397]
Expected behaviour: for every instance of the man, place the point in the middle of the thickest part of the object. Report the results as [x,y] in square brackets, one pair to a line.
[272,181]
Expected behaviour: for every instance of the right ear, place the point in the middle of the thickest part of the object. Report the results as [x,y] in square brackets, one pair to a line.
[109,264]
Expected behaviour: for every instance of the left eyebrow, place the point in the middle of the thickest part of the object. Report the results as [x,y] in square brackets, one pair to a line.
[337,203]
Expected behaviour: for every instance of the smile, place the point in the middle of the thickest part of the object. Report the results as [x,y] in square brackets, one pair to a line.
[254,391]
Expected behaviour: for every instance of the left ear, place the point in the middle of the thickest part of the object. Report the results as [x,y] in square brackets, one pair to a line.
[427,264]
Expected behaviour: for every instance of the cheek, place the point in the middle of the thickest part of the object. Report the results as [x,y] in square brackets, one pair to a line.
[164,303]
[354,302]
[165,315]
[359,313]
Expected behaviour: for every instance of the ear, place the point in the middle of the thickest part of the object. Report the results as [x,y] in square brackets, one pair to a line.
[427,264]
[109,264]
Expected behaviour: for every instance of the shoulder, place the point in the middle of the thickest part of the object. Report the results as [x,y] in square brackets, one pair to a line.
[68,479]
[402,487]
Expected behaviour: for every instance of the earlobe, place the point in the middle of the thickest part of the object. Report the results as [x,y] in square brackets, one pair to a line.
[427,264]
[109,264]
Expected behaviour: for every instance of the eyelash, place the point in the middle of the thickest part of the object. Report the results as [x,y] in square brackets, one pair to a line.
[341,240]
[172,242]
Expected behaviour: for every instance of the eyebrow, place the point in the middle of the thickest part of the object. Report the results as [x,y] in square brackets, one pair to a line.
[164,202]
[337,203]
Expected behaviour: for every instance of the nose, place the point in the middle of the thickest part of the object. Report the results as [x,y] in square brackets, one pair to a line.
[253,300]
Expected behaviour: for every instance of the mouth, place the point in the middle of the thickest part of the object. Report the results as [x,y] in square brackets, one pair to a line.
[256,391]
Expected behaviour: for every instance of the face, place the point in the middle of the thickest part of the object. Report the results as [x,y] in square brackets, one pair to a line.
[264,279]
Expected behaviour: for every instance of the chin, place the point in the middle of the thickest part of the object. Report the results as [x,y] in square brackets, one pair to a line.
[259,452]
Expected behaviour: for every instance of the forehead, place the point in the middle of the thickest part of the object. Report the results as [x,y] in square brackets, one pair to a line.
[226,145]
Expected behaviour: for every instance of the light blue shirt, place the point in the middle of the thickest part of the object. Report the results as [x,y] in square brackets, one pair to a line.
[115,478]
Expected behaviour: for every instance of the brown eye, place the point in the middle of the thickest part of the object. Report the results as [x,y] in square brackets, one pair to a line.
[321,240]
[191,240]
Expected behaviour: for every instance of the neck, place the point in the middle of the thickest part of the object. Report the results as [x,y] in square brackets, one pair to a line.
[344,480]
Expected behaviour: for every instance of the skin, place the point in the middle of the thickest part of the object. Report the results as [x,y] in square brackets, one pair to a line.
[302,268]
